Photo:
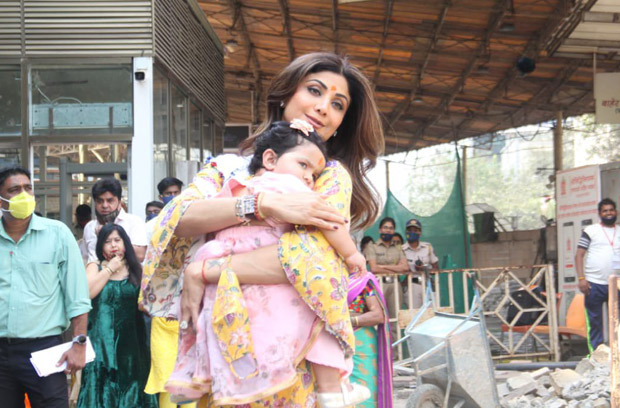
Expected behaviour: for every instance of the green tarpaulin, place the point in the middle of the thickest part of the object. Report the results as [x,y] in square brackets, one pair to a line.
[447,232]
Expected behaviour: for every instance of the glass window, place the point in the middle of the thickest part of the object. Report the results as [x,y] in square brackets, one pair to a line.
[234,134]
[179,125]
[161,125]
[10,101]
[194,133]
[9,156]
[81,100]
[47,175]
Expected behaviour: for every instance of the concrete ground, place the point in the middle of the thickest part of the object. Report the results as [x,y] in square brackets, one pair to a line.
[403,387]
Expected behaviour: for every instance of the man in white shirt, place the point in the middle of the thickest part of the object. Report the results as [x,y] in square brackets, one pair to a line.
[418,254]
[600,246]
[107,198]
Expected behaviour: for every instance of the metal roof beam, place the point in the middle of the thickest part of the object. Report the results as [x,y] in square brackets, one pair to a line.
[591,43]
[236,6]
[601,17]
[494,22]
[534,47]
[570,15]
[286,22]
[335,24]
[417,79]
[386,26]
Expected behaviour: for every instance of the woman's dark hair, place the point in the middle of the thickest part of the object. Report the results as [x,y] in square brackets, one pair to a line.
[360,135]
[280,138]
[133,265]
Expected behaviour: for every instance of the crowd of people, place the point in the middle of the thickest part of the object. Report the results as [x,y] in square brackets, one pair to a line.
[245,288]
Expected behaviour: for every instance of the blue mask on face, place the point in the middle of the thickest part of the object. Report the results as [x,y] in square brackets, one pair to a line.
[413,236]
[151,216]
[167,199]
[387,237]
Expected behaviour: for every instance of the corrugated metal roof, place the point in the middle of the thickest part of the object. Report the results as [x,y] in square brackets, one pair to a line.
[443,70]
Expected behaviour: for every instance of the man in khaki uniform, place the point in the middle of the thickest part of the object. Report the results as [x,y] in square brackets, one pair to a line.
[418,254]
[384,257]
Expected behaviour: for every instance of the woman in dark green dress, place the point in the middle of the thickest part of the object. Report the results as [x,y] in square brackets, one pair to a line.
[117,377]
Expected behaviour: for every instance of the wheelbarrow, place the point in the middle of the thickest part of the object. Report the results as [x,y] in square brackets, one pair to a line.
[451,358]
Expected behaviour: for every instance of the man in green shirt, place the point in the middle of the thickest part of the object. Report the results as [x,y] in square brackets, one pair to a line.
[42,286]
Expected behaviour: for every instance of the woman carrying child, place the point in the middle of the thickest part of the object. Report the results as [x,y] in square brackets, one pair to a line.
[334,96]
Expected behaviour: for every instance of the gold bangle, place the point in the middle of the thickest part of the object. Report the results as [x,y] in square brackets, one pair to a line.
[355,321]
[259,213]
[581,278]
[258,198]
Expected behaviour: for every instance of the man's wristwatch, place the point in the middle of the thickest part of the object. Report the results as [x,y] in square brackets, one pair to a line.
[79,339]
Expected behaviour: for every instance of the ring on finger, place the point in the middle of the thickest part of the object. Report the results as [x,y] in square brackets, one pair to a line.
[183,325]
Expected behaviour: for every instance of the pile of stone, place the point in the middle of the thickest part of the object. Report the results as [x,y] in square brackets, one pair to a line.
[587,386]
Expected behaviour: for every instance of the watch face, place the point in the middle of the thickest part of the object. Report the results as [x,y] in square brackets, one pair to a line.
[81,339]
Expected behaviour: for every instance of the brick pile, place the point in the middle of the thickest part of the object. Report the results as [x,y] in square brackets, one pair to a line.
[587,386]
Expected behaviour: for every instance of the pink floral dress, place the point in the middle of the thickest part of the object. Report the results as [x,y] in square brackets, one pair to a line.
[247,356]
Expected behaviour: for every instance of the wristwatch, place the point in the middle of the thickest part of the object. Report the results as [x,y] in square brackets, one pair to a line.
[245,208]
[79,339]
[248,206]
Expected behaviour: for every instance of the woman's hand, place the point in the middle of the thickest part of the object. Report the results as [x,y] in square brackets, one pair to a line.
[193,292]
[115,263]
[356,264]
[301,209]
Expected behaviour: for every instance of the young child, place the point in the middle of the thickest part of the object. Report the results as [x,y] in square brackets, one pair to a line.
[249,355]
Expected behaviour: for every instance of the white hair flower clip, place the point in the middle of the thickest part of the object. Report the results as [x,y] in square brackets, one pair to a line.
[303,126]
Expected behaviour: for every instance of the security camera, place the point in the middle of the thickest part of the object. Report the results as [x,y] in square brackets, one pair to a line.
[139,75]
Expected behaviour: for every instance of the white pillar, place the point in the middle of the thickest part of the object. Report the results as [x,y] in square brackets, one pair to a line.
[141,184]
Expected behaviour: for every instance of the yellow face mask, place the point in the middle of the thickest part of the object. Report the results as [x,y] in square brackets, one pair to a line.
[21,206]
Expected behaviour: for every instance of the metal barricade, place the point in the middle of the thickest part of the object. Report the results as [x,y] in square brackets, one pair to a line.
[507,339]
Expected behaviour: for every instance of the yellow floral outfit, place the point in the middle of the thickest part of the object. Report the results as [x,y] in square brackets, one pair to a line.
[314,269]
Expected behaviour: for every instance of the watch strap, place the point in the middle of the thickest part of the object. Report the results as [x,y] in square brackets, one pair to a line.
[79,339]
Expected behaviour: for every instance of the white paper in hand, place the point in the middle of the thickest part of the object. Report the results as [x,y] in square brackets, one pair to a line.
[44,361]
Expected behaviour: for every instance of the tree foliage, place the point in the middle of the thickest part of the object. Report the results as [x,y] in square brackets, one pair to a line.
[511,171]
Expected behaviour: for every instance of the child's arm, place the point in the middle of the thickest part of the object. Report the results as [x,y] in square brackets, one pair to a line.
[341,241]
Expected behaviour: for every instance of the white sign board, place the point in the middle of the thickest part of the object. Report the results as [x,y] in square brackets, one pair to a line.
[607,97]
[577,195]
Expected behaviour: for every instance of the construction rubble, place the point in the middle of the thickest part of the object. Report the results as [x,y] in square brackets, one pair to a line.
[587,386]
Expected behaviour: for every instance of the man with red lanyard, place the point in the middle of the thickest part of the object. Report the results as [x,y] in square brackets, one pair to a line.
[600,246]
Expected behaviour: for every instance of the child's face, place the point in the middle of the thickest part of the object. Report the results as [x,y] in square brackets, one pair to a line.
[304,161]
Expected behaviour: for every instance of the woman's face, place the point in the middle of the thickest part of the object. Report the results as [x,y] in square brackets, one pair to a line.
[322,99]
[113,245]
